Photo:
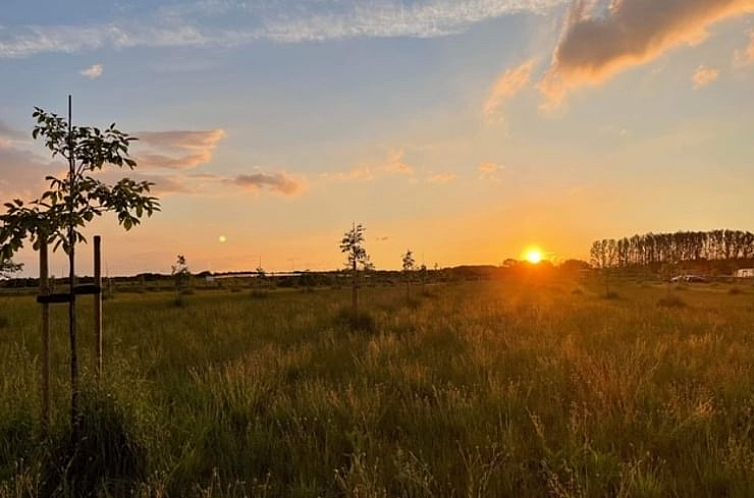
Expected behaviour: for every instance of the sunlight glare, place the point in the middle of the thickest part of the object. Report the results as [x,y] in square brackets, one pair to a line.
[533,255]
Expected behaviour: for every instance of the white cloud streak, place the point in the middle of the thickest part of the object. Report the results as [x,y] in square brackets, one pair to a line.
[94,72]
[296,23]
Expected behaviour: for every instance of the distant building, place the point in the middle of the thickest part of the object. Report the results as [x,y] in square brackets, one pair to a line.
[745,273]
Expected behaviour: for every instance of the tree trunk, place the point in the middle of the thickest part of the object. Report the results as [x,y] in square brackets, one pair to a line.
[355,290]
[408,290]
[72,284]
[44,289]
[98,305]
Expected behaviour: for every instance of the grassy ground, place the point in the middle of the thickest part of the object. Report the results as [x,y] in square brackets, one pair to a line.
[524,389]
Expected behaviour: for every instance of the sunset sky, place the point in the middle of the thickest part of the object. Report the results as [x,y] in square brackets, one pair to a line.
[466,130]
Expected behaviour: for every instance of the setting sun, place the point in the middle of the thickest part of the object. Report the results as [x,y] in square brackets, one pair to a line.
[533,255]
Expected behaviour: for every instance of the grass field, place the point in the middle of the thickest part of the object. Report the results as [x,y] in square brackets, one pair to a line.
[520,389]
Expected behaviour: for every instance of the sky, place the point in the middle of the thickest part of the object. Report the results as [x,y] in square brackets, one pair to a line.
[464,130]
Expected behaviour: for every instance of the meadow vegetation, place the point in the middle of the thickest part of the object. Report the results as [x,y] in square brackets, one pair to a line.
[524,388]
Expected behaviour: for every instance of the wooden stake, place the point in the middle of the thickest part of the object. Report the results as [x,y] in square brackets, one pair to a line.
[98,302]
[44,289]
[72,332]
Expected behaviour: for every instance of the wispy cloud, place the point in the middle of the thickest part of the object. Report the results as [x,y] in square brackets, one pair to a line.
[295,22]
[22,172]
[489,171]
[389,19]
[281,182]
[442,178]
[92,72]
[704,76]
[395,164]
[508,86]
[32,40]
[745,57]
[177,149]
[603,39]
[8,135]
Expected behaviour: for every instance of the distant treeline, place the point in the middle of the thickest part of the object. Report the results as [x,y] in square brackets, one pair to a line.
[672,248]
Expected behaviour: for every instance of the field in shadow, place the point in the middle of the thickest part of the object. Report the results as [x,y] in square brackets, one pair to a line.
[485,389]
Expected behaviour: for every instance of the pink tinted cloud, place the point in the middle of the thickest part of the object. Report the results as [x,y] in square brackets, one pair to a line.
[596,46]
[506,88]
[177,149]
[279,182]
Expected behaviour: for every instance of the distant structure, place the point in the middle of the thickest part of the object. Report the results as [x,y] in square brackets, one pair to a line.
[745,273]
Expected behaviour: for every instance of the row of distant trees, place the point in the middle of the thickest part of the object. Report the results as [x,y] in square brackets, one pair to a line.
[672,248]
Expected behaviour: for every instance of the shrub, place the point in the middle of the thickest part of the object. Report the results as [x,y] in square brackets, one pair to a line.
[671,302]
[429,294]
[4,322]
[361,321]
[259,294]
[413,303]
[735,291]
[108,460]
[611,295]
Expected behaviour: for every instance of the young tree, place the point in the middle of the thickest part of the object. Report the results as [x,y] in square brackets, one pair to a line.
[409,265]
[180,273]
[60,214]
[352,244]
[261,274]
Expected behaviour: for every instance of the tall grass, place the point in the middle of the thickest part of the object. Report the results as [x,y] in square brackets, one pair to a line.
[486,390]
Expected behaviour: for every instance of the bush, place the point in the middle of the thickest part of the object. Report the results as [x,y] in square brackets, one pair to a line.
[108,460]
[671,302]
[413,303]
[577,292]
[611,295]
[735,291]
[4,322]
[429,294]
[361,321]
[259,294]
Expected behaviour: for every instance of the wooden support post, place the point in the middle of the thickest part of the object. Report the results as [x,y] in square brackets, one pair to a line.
[98,302]
[44,289]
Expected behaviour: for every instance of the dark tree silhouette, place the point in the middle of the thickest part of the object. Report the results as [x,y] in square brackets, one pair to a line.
[604,254]
[352,244]
[180,273]
[409,265]
[657,250]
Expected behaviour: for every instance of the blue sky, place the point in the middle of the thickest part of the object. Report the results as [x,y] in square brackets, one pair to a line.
[466,130]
